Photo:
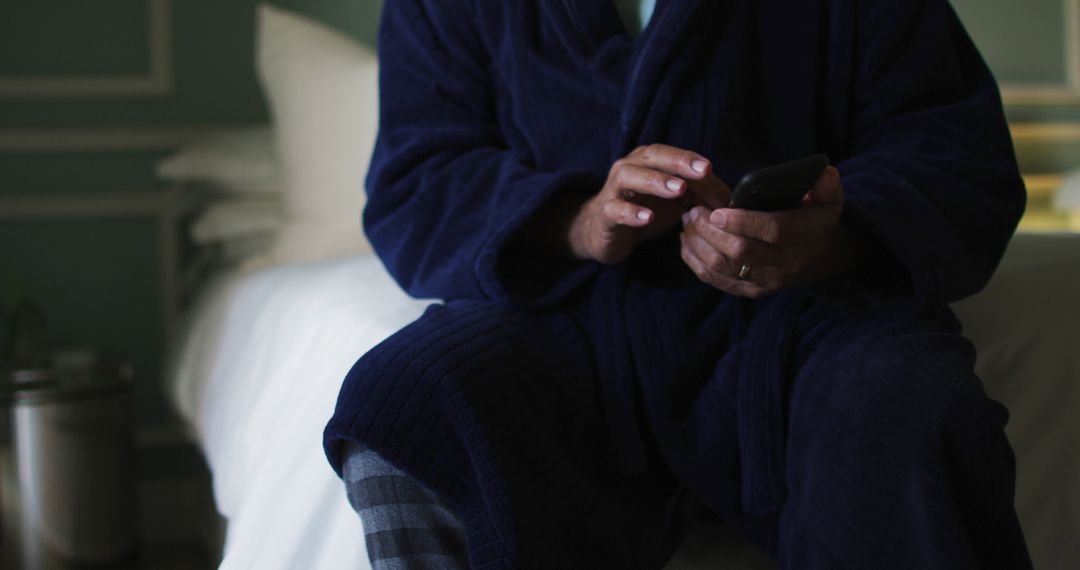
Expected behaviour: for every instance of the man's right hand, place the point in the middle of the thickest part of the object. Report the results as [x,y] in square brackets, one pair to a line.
[646,194]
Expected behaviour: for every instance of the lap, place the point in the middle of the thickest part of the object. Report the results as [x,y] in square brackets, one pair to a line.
[506,404]
[529,380]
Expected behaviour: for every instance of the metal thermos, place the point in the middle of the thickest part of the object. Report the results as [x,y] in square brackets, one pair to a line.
[74,452]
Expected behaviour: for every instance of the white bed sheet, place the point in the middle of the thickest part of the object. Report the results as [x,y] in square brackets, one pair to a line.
[264,354]
[256,377]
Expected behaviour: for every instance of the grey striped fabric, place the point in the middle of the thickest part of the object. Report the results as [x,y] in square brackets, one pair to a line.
[406,527]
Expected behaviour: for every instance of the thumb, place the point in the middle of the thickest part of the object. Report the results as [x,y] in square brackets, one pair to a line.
[710,192]
[827,190]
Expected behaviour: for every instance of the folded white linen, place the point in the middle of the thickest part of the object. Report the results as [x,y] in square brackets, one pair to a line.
[237,220]
[240,160]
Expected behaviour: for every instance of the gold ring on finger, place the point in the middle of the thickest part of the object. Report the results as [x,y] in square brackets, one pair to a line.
[744,272]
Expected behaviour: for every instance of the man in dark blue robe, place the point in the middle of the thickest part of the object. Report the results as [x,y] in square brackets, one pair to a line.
[612,347]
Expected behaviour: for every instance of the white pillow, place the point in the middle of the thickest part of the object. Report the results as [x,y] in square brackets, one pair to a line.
[323,95]
[238,160]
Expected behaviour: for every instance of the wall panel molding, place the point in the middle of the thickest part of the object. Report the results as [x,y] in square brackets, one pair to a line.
[1045,132]
[103,205]
[110,139]
[157,81]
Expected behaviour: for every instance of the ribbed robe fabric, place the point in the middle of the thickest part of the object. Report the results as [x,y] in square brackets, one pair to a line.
[559,406]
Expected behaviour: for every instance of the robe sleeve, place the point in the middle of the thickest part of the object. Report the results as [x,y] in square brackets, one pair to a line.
[445,191]
[932,174]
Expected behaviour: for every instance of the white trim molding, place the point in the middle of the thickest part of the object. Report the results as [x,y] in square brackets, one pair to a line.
[105,139]
[1045,132]
[1053,94]
[156,81]
[173,201]
[1043,185]
[92,205]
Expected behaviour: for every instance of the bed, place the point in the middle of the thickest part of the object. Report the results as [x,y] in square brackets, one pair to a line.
[264,345]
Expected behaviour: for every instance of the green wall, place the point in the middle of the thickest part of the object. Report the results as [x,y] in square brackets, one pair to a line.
[999,27]
[97,276]
[1027,44]
[213,51]
[213,75]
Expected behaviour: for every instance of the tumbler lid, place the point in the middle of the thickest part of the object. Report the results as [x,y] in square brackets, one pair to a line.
[73,375]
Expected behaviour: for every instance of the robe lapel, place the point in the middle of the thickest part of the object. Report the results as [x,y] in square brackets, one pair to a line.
[653,57]
[601,40]
[597,21]
[791,51]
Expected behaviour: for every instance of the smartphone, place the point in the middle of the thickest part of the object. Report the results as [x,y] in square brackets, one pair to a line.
[778,187]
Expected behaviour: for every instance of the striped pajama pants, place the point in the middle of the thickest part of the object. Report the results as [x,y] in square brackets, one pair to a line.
[406,527]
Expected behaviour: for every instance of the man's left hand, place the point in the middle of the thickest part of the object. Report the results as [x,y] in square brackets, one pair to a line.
[754,254]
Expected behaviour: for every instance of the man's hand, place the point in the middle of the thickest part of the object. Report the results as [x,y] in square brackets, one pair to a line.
[645,195]
[754,254]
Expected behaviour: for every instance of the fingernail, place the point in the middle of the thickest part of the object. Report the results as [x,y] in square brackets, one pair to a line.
[699,166]
[718,217]
[674,185]
[694,214]
[643,215]
[686,218]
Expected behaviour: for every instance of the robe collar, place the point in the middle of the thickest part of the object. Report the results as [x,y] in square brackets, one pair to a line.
[602,41]
[597,24]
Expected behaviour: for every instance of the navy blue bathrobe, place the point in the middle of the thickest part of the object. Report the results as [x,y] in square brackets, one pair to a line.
[563,408]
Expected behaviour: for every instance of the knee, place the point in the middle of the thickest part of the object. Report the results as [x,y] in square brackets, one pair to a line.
[422,379]
[896,387]
[399,388]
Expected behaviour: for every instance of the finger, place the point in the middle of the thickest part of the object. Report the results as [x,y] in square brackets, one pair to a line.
[623,213]
[770,267]
[693,261]
[675,161]
[710,192]
[727,255]
[720,281]
[630,179]
[742,287]
[738,248]
[769,227]
[827,190]
[692,256]
[713,259]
